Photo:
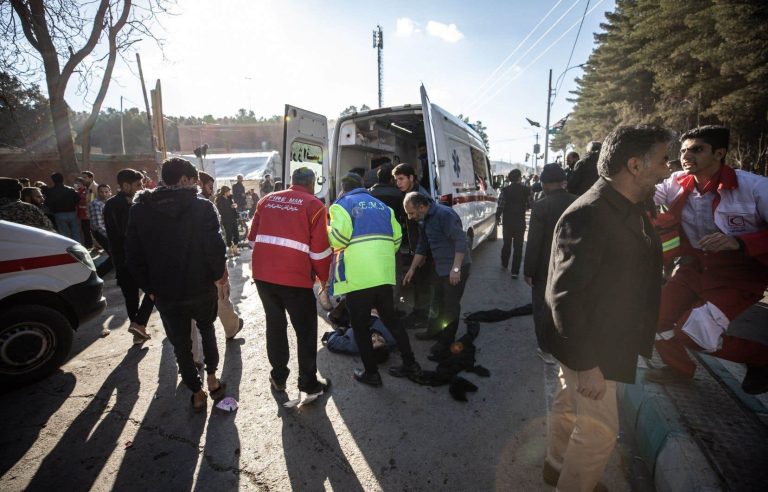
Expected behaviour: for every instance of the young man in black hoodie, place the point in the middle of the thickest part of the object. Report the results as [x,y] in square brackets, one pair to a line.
[175,250]
[129,182]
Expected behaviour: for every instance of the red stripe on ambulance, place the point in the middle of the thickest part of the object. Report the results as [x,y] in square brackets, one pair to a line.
[21,264]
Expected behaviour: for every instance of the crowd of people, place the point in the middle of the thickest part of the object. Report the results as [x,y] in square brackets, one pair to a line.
[626,250]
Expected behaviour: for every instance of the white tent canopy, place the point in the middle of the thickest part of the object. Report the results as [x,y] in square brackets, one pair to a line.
[252,165]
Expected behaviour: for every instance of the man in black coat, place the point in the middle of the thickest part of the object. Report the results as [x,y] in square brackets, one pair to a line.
[585,173]
[604,289]
[544,215]
[513,202]
[116,209]
[176,253]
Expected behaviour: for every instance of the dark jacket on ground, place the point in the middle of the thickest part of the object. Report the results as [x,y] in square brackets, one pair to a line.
[392,198]
[174,248]
[604,284]
[116,223]
[544,216]
[60,198]
[513,202]
[584,174]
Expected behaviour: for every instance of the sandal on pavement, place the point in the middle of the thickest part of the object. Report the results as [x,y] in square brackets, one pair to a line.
[199,407]
[218,393]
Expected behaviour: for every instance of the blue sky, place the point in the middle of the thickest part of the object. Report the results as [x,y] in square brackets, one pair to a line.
[260,54]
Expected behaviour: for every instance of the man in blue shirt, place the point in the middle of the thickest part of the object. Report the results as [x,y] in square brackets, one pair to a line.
[441,233]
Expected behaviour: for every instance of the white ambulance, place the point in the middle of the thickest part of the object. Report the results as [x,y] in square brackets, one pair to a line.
[48,287]
[458,170]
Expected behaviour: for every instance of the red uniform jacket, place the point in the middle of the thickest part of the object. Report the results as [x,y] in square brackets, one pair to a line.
[290,238]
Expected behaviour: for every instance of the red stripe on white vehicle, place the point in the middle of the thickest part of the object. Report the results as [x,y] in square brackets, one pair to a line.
[21,264]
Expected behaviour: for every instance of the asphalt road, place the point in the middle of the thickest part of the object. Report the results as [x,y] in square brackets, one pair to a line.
[117,416]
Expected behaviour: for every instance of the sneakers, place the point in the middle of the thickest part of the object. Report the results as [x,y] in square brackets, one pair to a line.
[546,357]
[514,276]
[666,375]
[371,379]
[139,331]
[319,390]
[756,380]
[551,476]
[409,370]
[275,385]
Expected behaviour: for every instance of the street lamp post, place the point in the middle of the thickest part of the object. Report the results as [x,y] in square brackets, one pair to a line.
[550,102]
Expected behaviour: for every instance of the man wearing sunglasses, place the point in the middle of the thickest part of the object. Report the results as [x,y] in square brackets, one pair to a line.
[723,215]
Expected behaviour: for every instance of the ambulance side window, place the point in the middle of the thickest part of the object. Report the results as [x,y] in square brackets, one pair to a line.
[307,155]
[480,169]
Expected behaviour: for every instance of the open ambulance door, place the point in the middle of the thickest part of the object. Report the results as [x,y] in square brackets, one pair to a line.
[305,144]
[426,109]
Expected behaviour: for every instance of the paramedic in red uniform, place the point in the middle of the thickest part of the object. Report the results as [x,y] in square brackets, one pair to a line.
[290,241]
[724,260]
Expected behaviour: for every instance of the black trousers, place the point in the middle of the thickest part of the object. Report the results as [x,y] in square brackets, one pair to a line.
[424,281]
[542,317]
[86,233]
[231,233]
[448,300]
[177,316]
[301,306]
[137,313]
[359,304]
[514,235]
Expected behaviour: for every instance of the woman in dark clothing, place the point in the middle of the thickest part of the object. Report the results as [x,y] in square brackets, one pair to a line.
[228,214]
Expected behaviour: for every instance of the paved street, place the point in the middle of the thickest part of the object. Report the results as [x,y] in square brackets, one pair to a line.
[71,431]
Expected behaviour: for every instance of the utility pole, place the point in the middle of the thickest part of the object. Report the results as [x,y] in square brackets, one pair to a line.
[378,43]
[146,104]
[536,150]
[546,134]
[122,132]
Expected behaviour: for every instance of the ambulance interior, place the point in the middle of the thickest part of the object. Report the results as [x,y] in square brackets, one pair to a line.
[370,141]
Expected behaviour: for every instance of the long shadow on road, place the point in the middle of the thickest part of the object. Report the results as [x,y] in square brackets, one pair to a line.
[166,447]
[25,414]
[83,450]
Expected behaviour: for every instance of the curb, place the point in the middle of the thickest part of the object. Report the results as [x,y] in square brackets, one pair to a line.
[669,452]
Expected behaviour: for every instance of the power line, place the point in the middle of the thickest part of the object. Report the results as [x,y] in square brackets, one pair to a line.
[473,103]
[488,79]
[523,70]
[573,48]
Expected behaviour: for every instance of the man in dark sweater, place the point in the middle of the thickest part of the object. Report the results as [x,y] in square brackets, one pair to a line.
[585,172]
[129,182]
[544,216]
[513,202]
[62,202]
[176,253]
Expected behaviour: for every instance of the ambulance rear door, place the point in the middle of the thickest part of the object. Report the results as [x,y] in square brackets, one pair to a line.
[305,144]
[429,130]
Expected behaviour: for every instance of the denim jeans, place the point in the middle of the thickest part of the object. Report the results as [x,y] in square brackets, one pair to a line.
[176,316]
[68,225]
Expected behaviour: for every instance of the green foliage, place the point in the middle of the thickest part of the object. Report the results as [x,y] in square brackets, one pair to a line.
[25,120]
[479,128]
[353,109]
[679,64]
